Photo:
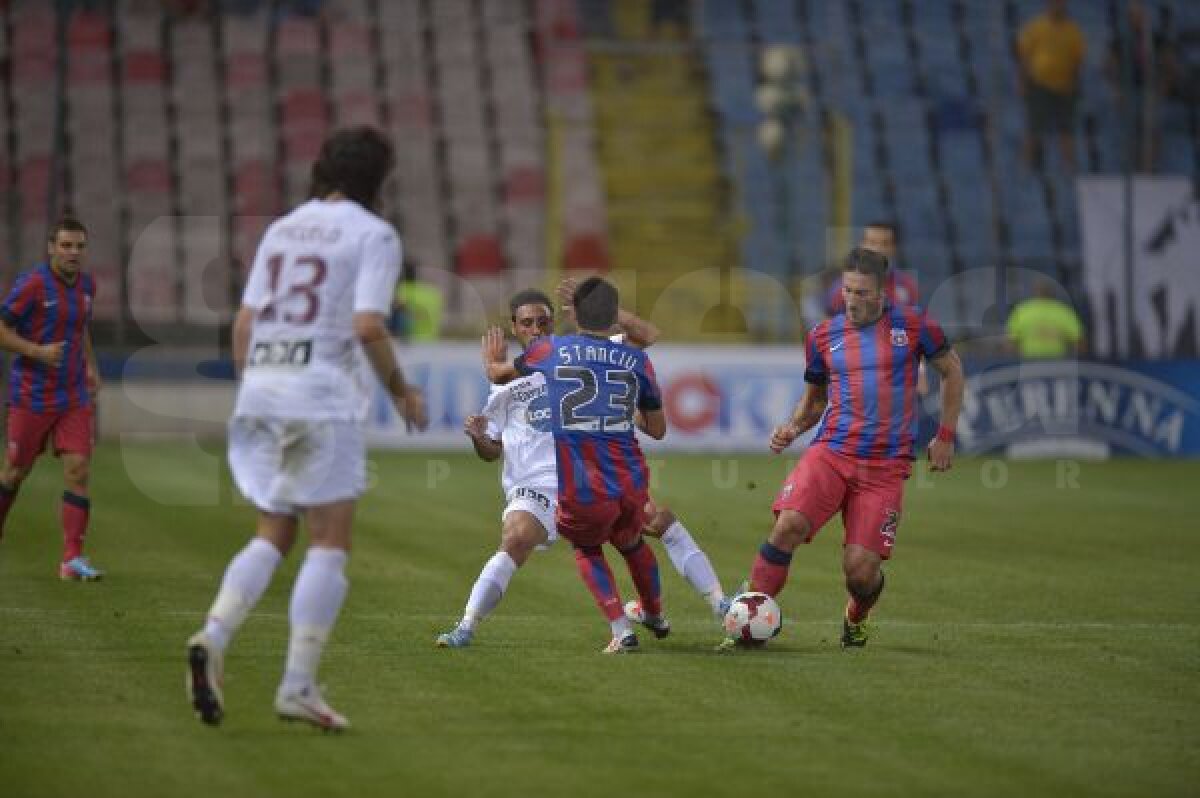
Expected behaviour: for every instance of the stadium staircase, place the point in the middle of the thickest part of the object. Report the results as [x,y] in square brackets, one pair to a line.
[667,207]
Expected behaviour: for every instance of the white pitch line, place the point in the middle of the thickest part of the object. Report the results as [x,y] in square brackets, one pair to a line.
[503,616]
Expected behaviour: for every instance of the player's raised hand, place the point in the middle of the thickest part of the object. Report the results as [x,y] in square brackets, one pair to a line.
[566,295]
[50,354]
[412,408]
[783,436]
[941,454]
[475,426]
[494,348]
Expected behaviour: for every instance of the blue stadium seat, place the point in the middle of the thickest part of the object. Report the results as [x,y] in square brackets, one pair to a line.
[722,20]
[776,22]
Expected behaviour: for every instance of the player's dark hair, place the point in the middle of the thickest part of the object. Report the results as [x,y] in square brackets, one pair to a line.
[596,304]
[866,261]
[530,296]
[886,224]
[68,223]
[354,162]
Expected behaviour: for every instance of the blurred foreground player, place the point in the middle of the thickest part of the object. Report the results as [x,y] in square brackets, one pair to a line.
[320,290]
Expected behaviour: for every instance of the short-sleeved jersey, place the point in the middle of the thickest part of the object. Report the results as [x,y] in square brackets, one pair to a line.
[594,385]
[43,308]
[871,373]
[518,416]
[315,268]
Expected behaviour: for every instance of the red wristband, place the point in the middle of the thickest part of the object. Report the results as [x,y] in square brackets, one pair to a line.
[945,434]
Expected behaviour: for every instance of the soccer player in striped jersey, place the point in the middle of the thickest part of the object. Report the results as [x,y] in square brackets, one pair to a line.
[515,425]
[600,391]
[53,383]
[861,374]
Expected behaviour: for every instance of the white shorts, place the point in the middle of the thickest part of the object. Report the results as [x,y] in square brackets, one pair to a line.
[541,503]
[285,466]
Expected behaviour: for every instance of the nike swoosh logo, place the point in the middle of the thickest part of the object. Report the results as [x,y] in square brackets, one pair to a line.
[837,346]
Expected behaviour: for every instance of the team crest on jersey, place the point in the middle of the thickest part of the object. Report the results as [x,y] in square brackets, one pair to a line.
[899,336]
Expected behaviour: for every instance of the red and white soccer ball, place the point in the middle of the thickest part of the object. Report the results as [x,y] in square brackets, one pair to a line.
[753,618]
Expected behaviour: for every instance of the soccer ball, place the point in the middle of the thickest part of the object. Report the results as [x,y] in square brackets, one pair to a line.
[753,618]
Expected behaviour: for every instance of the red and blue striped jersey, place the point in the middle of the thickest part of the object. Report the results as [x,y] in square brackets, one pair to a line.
[42,308]
[871,372]
[594,386]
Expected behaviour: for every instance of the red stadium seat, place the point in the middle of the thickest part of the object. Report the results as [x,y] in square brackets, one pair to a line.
[304,105]
[479,256]
[586,252]
[144,67]
[88,31]
[150,176]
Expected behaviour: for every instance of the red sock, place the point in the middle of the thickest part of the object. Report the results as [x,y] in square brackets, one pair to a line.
[770,571]
[75,509]
[599,579]
[7,497]
[643,567]
[859,607]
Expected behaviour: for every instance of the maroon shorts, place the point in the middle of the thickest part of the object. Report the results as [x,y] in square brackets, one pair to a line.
[869,493]
[72,431]
[616,521]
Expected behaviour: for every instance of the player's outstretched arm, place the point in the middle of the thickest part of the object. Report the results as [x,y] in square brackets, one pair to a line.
[372,333]
[486,447]
[941,448]
[494,351]
[50,354]
[805,417]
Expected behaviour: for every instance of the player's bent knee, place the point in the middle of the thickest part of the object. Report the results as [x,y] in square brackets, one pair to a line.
[660,521]
[791,529]
[520,537]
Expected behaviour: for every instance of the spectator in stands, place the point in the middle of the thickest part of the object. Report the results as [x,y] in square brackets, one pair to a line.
[1050,48]
[1045,326]
[417,307]
[1148,69]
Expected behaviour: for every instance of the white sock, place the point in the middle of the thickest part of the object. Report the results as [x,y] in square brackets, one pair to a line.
[489,589]
[692,563]
[317,598]
[620,627]
[246,579]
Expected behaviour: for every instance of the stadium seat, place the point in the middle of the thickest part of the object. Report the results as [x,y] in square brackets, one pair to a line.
[479,255]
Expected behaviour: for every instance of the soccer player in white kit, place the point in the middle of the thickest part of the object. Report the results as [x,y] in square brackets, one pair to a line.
[515,425]
[315,304]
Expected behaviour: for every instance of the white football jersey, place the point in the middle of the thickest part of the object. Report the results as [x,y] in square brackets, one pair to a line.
[315,268]
[519,417]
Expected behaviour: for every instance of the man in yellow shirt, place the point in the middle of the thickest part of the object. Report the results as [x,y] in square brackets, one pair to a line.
[1051,48]
[1045,327]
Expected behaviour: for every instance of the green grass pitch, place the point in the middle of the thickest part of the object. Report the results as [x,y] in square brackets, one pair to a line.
[1040,636]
